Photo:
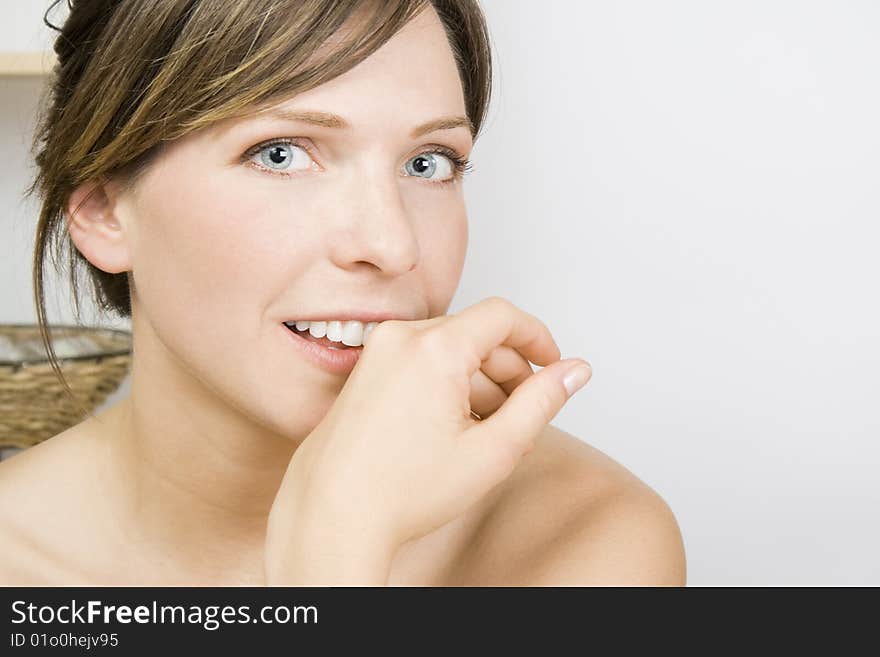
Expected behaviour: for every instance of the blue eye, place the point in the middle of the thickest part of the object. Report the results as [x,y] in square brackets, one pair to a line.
[428,164]
[458,165]
[277,156]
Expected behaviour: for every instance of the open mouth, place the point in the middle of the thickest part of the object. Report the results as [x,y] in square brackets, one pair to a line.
[324,342]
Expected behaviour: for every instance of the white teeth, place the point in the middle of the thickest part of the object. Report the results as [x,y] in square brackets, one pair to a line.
[351,333]
[334,331]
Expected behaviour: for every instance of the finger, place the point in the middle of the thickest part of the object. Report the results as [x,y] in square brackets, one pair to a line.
[496,321]
[486,395]
[498,376]
[506,367]
[511,429]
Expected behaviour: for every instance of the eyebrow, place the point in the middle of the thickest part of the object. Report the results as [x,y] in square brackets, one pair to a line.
[330,120]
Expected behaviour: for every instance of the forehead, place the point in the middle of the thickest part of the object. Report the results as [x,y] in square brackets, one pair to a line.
[414,74]
[420,46]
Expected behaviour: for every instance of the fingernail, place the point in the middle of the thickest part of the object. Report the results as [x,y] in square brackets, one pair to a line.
[575,379]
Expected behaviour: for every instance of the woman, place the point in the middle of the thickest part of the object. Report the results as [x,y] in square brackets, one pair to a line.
[253,182]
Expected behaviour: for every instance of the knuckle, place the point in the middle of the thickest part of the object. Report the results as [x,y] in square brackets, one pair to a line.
[439,351]
[500,302]
[436,344]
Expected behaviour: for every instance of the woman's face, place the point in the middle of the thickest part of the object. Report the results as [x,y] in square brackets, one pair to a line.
[229,237]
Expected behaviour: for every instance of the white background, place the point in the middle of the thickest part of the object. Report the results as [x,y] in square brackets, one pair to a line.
[687,194]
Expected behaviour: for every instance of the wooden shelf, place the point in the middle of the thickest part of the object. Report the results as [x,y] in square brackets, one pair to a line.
[26,63]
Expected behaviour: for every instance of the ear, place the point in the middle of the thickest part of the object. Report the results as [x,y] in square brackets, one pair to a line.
[95,228]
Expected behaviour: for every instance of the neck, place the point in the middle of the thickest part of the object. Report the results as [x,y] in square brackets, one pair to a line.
[194,472]
[194,488]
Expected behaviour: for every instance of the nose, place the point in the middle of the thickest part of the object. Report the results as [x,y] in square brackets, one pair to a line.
[375,229]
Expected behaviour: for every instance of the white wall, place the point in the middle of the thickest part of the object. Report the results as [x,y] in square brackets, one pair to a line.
[22,28]
[686,193]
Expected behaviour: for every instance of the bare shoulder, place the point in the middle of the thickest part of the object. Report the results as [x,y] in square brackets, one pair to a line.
[40,488]
[570,515]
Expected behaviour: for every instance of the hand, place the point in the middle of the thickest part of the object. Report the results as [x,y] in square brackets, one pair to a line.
[398,453]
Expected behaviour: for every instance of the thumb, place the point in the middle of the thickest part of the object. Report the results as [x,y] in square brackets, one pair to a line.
[531,406]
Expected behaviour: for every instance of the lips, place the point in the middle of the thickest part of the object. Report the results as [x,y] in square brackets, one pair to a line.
[333,359]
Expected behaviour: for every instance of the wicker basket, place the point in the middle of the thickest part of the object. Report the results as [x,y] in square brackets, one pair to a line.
[34,405]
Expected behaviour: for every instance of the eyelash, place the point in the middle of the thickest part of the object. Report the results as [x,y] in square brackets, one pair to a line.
[461,165]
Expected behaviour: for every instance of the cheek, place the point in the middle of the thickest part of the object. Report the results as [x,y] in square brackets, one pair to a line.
[209,242]
[209,260]
[443,243]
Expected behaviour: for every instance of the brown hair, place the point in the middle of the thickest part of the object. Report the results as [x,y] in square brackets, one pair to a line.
[132,75]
